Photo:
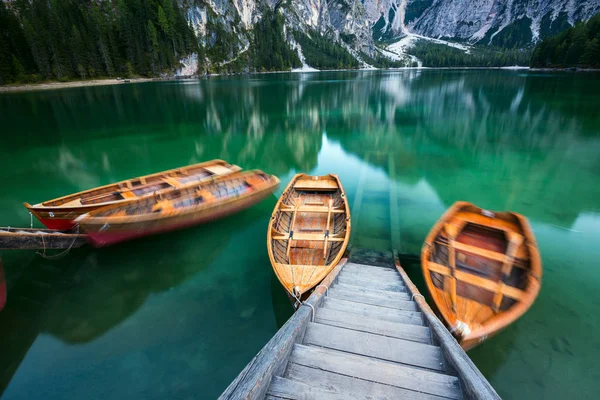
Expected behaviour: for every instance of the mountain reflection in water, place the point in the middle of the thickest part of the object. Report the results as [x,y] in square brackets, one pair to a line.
[181,314]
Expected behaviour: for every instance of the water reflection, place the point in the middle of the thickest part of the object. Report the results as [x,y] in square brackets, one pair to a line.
[501,139]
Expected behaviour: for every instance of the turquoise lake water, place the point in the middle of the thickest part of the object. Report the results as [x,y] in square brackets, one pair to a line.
[179,315]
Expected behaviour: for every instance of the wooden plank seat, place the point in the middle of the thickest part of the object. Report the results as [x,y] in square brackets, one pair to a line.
[313,209]
[171,181]
[308,236]
[475,280]
[316,184]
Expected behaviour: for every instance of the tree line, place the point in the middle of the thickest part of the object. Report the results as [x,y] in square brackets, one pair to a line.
[84,39]
[578,46]
[439,55]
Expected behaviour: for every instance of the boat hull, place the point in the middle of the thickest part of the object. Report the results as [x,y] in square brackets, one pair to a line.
[482,269]
[109,234]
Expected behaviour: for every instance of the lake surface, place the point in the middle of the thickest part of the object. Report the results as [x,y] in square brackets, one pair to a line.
[179,315]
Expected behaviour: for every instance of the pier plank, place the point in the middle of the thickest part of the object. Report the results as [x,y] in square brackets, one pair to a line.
[415,333]
[373,345]
[366,310]
[373,299]
[350,387]
[370,284]
[384,293]
[377,371]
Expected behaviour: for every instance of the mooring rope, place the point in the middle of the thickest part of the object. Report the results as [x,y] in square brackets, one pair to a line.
[61,254]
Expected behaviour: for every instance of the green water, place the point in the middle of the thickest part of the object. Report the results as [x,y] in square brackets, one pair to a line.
[179,315]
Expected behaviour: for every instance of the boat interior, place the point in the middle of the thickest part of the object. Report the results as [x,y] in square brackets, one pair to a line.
[310,226]
[479,271]
[174,201]
[134,188]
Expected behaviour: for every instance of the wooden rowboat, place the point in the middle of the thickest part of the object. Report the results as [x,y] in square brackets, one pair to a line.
[482,269]
[308,232]
[26,238]
[61,212]
[177,209]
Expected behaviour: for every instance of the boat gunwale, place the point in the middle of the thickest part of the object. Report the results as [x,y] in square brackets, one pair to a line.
[277,209]
[504,318]
[90,219]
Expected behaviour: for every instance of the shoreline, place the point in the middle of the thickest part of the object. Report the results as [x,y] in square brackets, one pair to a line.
[113,81]
[73,84]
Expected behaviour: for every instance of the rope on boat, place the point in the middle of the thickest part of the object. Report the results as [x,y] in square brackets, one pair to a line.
[31,220]
[417,294]
[326,289]
[61,254]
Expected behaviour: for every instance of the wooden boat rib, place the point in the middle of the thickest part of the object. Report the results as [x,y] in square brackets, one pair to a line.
[482,269]
[177,209]
[61,212]
[33,238]
[308,232]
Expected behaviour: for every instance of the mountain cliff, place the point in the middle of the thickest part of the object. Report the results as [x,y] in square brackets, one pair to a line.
[67,39]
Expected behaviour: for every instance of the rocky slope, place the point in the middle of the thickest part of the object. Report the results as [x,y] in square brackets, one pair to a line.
[360,24]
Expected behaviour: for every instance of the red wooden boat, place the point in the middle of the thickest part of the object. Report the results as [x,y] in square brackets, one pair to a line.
[60,213]
[178,208]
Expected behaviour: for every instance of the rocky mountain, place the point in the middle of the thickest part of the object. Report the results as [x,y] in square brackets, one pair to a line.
[361,25]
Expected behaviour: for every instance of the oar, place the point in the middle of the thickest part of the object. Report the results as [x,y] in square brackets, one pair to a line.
[327,229]
[297,204]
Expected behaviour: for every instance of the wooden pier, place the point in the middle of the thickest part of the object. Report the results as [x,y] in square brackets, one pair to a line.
[365,332]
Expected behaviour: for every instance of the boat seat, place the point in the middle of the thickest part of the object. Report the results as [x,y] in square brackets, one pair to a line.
[316,184]
[128,195]
[313,209]
[171,181]
[307,236]
[475,280]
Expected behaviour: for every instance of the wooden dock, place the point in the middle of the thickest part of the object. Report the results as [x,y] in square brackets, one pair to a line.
[365,333]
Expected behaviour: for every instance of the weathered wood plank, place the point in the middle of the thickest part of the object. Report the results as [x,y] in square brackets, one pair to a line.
[376,346]
[367,267]
[369,284]
[271,360]
[40,239]
[370,311]
[373,299]
[377,371]
[384,293]
[473,383]
[373,277]
[352,388]
[282,388]
[415,333]
[371,272]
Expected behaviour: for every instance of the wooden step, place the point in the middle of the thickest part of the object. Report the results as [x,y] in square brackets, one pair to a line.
[371,272]
[376,346]
[342,319]
[372,277]
[282,388]
[366,310]
[372,298]
[365,267]
[369,369]
[384,293]
[371,284]
[350,387]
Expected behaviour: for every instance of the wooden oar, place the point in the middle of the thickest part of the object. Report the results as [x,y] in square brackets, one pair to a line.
[327,229]
[297,204]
